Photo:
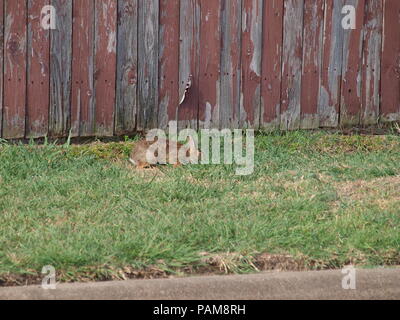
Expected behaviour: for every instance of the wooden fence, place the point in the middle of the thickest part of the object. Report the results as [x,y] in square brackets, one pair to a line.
[115,67]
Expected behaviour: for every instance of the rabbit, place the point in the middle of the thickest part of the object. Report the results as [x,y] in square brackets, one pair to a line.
[138,156]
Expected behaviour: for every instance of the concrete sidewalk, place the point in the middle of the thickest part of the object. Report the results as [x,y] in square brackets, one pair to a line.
[370,284]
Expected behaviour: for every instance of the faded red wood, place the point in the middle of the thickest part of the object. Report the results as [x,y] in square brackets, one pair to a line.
[60,70]
[236,52]
[292,57]
[329,98]
[350,106]
[82,108]
[371,68]
[15,32]
[209,72]
[189,62]
[148,37]
[105,66]
[38,85]
[169,62]
[390,104]
[272,64]
[251,64]
[127,67]
[1,63]
[230,63]
[312,57]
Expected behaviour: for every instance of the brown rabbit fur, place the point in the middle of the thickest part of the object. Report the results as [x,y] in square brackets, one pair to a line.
[138,156]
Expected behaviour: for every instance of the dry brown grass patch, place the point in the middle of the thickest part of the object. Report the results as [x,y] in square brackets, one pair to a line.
[388,187]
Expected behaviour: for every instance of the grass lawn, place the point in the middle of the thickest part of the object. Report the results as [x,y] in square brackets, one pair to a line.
[315,200]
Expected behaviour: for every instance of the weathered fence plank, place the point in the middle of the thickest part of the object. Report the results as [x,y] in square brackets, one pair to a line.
[350,106]
[148,65]
[272,64]
[189,62]
[230,63]
[292,64]
[371,67]
[15,33]
[105,66]
[390,104]
[127,71]
[329,98]
[82,102]
[250,106]
[60,70]
[312,57]
[1,63]
[169,62]
[209,69]
[38,84]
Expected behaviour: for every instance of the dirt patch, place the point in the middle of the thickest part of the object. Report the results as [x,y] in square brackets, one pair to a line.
[209,264]
[383,193]
[276,262]
[13,280]
[383,188]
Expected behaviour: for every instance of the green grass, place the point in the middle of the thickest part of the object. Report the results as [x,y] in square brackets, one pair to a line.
[324,198]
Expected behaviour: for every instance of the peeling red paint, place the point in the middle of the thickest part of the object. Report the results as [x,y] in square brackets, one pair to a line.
[169,61]
[38,89]
[105,66]
[251,64]
[189,62]
[272,62]
[15,69]
[371,67]
[390,105]
[312,58]
[350,106]
[82,111]
[209,72]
